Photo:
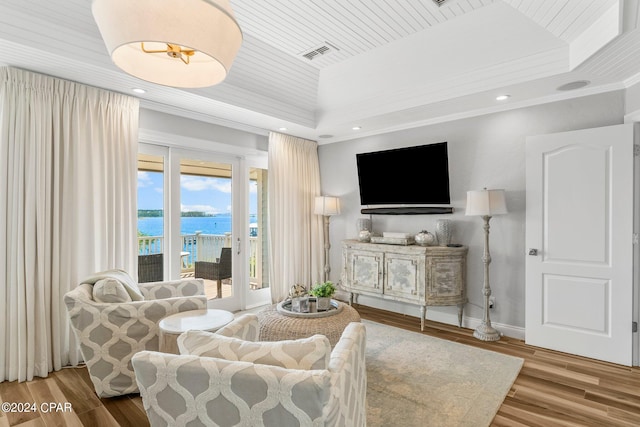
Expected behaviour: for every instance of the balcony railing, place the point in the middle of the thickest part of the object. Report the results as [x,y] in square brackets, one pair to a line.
[199,247]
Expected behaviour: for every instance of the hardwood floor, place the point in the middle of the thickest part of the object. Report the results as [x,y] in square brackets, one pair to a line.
[552,389]
[72,386]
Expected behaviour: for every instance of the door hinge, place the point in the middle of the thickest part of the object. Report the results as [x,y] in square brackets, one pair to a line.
[634,327]
[635,238]
[636,150]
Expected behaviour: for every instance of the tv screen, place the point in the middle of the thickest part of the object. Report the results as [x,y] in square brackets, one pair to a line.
[404,176]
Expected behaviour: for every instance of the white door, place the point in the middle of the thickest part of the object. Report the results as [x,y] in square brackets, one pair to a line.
[579,238]
[209,236]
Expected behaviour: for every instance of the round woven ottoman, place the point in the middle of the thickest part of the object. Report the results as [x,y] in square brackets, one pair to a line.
[275,326]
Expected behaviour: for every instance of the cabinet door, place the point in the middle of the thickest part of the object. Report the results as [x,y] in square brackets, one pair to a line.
[404,276]
[446,281]
[365,270]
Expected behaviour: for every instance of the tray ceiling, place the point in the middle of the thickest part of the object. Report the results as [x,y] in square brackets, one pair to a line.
[321,67]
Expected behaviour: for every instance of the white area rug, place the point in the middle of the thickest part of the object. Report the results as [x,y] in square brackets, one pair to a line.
[418,380]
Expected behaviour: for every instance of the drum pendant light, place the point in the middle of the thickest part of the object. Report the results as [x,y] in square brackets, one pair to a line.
[179,43]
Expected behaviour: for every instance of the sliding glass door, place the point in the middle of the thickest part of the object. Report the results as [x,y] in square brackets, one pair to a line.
[206,223]
[204,215]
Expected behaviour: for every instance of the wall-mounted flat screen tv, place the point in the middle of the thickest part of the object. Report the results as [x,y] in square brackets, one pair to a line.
[405,176]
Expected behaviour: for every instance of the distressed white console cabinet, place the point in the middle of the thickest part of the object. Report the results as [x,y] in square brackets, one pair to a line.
[425,276]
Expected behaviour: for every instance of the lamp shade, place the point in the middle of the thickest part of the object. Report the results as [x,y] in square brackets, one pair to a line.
[204,32]
[327,205]
[486,202]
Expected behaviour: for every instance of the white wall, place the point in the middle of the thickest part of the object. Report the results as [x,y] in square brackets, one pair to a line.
[486,151]
[167,124]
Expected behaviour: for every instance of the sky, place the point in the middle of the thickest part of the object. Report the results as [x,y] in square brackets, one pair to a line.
[197,193]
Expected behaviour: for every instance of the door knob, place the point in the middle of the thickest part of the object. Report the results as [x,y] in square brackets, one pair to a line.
[533,252]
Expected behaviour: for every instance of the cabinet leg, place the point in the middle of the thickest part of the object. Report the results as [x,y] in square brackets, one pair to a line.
[350,298]
[460,308]
[423,315]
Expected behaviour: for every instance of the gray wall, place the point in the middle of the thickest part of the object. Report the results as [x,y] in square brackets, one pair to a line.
[632,100]
[486,151]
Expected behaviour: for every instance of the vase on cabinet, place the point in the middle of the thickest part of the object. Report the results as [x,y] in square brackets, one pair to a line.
[364,229]
[424,238]
[444,228]
[364,236]
[364,224]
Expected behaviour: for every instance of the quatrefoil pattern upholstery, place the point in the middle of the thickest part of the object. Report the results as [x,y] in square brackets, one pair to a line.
[245,327]
[111,333]
[179,390]
[304,353]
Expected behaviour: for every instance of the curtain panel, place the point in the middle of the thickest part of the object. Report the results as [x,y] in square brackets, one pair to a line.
[68,182]
[296,239]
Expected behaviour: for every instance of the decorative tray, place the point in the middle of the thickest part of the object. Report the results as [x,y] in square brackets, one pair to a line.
[284,307]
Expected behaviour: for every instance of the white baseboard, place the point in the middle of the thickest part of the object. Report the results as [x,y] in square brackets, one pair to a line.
[434,315]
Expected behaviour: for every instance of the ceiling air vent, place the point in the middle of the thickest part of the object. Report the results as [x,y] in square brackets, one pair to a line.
[578,84]
[321,50]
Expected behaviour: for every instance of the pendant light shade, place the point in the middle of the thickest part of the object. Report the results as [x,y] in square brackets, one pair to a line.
[180,43]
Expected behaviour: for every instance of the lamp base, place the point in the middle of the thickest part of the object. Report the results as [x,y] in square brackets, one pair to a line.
[486,332]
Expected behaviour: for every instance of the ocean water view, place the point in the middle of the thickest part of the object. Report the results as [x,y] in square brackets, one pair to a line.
[218,224]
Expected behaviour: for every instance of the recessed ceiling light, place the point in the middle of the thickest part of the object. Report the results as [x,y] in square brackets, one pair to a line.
[573,85]
[502,97]
[138,90]
[356,128]
[282,128]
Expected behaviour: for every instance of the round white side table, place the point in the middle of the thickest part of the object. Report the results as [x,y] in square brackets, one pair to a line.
[172,326]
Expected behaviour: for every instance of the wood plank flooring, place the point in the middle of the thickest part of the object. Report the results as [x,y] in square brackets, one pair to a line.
[552,389]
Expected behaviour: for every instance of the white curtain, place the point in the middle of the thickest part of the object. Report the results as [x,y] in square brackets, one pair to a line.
[67,209]
[295,233]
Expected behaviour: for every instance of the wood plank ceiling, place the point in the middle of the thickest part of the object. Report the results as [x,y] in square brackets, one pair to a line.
[348,28]
[272,84]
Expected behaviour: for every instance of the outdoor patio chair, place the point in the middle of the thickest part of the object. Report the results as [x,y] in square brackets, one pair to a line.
[215,270]
[150,268]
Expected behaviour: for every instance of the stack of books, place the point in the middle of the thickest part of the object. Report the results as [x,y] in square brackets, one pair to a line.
[393,238]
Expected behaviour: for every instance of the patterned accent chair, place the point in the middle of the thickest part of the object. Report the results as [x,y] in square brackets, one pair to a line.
[244,390]
[111,333]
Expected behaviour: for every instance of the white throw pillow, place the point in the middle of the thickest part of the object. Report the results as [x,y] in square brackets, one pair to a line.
[123,277]
[111,291]
[304,353]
